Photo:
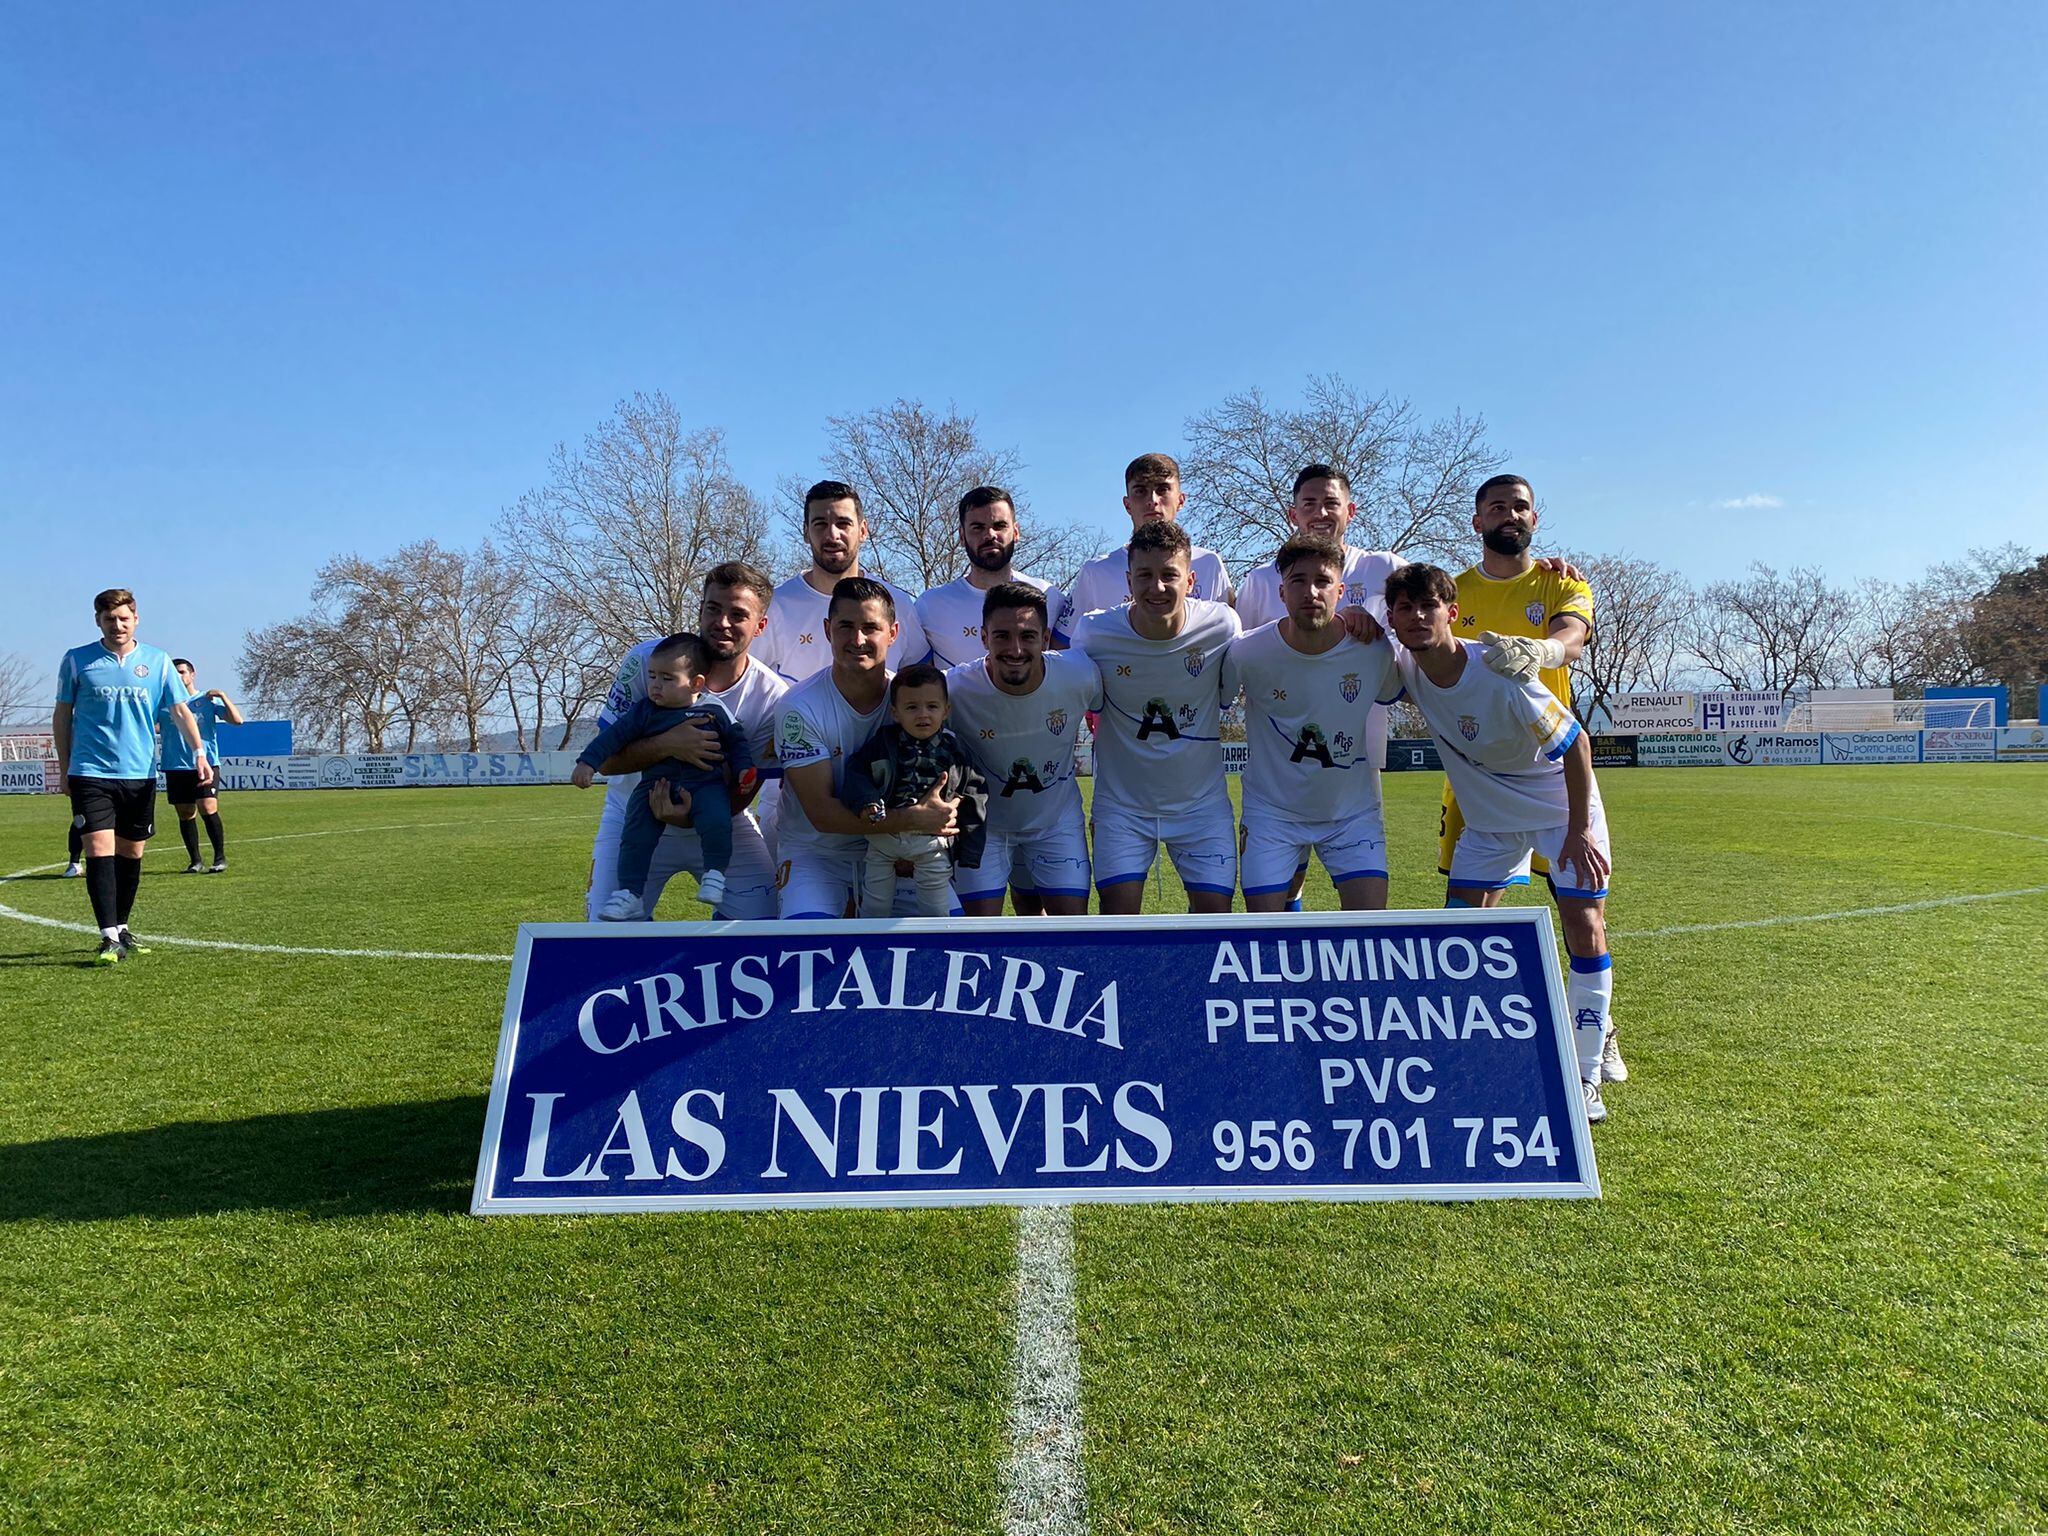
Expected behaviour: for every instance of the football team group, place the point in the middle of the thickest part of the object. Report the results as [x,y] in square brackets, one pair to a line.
[831,746]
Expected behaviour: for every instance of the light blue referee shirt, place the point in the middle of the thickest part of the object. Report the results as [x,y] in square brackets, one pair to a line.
[115,701]
[206,710]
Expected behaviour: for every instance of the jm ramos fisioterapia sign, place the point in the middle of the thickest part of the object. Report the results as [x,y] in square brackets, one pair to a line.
[1337,1056]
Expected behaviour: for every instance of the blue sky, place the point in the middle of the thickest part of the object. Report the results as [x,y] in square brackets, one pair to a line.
[286,280]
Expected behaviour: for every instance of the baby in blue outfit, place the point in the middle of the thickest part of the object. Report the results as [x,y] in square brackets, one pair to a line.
[675,693]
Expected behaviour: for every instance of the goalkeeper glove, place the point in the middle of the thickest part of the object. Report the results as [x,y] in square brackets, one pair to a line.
[1518,656]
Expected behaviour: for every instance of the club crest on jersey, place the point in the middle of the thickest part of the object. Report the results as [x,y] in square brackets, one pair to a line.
[142,671]
[1468,727]
[1056,721]
[1348,686]
[1533,613]
[1195,660]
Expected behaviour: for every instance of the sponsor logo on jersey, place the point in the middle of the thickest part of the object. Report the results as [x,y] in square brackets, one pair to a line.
[1123,671]
[1533,613]
[1195,660]
[1279,695]
[1056,721]
[988,733]
[1348,686]
[1468,727]
[1310,743]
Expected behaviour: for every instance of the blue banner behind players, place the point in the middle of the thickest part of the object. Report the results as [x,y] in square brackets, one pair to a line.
[1346,1056]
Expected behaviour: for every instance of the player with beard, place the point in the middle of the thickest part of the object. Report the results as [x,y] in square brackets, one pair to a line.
[824,719]
[1152,494]
[795,643]
[1534,617]
[952,619]
[951,616]
[730,619]
[1159,744]
[1309,782]
[1018,712]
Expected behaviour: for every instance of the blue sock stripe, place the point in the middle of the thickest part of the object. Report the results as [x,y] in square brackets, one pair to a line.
[1597,964]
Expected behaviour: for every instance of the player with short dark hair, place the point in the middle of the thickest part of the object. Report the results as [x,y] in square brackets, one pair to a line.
[730,618]
[823,720]
[110,696]
[1523,771]
[195,802]
[950,615]
[1152,493]
[1158,745]
[1309,784]
[797,643]
[1018,711]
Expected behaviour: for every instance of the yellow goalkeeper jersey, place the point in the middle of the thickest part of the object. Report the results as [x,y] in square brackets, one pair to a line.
[1522,605]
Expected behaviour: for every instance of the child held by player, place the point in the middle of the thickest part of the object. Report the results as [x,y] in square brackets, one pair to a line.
[675,685]
[909,756]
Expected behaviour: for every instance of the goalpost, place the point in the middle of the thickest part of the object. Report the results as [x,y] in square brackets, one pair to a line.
[1899,714]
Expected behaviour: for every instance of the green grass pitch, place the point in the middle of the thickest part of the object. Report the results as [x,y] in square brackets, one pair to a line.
[239,1290]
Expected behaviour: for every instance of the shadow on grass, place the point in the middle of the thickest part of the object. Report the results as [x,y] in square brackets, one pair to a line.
[382,1159]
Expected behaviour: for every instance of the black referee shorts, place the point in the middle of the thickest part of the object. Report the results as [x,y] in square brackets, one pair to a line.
[181,786]
[127,807]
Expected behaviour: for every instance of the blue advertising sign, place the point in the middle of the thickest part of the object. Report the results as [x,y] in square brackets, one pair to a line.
[1331,1056]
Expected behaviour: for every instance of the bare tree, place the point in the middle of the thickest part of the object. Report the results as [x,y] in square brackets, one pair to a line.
[1641,614]
[1412,481]
[623,531]
[464,598]
[554,665]
[912,465]
[1772,631]
[22,696]
[361,661]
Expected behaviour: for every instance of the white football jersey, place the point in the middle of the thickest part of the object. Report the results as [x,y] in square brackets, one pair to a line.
[817,725]
[951,617]
[753,701]
[1500,740]
[1365,586]
[796,645]
[1104,583]
[1308,758]
[1024,743]
[1158,744]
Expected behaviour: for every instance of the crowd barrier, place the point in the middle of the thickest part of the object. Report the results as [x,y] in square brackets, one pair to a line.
[1676,749]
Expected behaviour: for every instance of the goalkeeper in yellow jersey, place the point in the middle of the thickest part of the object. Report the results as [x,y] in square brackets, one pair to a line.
[1534,620]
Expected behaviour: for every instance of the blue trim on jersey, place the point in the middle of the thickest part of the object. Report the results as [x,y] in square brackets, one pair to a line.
[1566,745]
[1596,964]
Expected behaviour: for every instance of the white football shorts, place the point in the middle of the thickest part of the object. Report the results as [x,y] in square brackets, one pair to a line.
[1491,861]
[1055,863]
[1202,844]
[1276,849]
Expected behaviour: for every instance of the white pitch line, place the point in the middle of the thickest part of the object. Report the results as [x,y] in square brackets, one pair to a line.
[289,949]
[1789,919]
[1045,1493]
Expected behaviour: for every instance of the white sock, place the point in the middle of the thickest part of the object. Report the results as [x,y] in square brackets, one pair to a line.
[1588,991]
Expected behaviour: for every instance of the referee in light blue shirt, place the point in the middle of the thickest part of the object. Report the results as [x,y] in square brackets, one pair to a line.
[109,697]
